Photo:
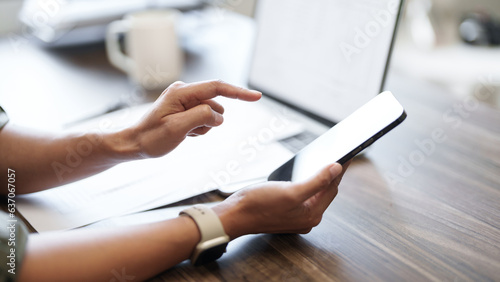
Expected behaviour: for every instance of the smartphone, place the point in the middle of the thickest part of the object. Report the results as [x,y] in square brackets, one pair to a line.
[345,140]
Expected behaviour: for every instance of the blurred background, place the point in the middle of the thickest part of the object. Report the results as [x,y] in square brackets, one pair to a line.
[451,43]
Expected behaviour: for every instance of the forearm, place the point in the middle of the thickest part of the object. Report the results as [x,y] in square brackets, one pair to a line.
[45,160]
[146,250]
[101,255]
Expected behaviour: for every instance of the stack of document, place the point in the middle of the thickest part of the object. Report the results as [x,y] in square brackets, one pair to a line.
[227,154]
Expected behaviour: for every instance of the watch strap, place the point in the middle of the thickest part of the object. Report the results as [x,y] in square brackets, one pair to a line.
[207,220]
[213,240]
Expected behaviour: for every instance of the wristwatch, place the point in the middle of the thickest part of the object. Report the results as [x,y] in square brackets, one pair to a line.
[213,238]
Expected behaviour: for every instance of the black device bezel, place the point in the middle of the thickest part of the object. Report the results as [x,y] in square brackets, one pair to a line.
[284,172]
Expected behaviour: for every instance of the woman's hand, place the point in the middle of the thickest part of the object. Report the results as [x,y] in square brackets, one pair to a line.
[182,110]
[280,207]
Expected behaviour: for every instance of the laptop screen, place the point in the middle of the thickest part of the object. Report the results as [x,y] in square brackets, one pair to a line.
[326,57]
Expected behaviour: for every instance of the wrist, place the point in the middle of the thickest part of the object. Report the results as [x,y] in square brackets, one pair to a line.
[233,220]
[121,145]
[213,238]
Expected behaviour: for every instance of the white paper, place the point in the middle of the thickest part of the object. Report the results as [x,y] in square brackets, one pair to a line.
[143,217]
[242,148]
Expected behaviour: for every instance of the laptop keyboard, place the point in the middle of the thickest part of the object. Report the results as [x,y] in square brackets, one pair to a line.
[296,142]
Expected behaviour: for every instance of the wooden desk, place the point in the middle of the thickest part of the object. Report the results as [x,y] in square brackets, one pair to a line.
[440,222]
[403,213]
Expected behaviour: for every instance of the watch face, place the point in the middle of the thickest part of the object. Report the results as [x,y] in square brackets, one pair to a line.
[210,254]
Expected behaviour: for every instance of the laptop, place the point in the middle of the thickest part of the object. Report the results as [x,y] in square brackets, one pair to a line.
[316,62]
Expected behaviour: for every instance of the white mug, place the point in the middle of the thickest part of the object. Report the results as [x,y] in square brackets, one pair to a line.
[154,58]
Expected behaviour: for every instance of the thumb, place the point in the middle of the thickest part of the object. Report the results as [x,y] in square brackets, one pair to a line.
[199,116]
[318,182]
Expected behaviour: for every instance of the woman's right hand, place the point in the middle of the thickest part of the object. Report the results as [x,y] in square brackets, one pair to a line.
[280,207]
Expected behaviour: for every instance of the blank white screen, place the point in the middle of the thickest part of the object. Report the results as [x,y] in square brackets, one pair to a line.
[325,56]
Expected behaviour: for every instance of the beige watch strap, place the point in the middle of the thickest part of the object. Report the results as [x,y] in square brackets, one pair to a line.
[208,222]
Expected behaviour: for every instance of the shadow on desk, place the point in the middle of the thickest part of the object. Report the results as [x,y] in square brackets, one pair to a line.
[260,258]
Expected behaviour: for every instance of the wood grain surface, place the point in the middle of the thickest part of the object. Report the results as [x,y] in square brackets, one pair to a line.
[436,220]
[422,204]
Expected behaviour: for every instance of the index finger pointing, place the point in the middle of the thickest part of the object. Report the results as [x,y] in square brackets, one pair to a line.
[210,89]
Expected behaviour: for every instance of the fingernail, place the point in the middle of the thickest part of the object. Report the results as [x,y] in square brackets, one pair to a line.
[335,169]
[256,92]
[218,118]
